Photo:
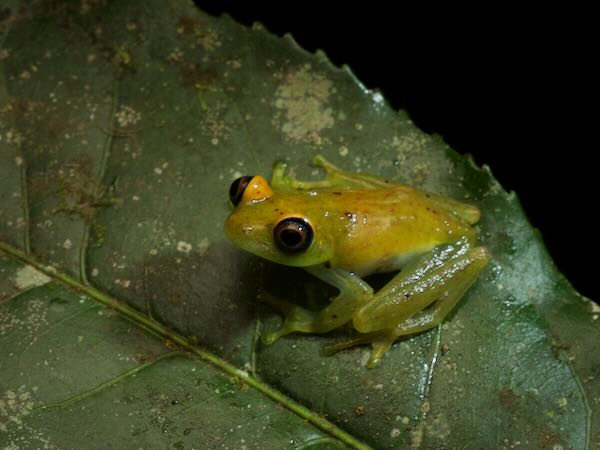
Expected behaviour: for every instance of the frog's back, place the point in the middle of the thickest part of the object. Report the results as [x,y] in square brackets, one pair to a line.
[379,230]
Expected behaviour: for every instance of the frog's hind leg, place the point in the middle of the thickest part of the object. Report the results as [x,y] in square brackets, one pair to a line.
[435,279]
[417,301]
[435,313]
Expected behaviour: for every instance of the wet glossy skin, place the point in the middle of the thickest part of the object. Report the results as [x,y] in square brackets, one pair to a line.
[351,225]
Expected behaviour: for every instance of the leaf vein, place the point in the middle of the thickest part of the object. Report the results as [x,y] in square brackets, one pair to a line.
[108,383]
[106,152]
[163,331]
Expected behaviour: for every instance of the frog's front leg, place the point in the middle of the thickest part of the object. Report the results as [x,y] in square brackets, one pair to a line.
[416,299]
[334,178]
[282,182]
[354,293]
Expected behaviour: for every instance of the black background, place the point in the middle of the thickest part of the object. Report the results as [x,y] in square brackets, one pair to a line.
[513,87]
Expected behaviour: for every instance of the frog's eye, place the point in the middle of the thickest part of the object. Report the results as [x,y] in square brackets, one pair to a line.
[293,235]
[236,191]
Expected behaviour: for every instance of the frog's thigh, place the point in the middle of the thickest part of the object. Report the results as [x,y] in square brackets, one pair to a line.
[441,288]
[431,317]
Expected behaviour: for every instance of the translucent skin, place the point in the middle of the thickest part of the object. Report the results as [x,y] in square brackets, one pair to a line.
[363,224]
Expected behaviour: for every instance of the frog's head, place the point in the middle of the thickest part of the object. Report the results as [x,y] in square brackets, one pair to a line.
[273,226]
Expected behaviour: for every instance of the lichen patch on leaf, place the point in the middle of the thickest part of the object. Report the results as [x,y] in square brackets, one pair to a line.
[15,433]
[203,246]
[29,277]
[184,247]
[30,320]
[214,121]
[127,117]
[302,99]
[409,143]
[205,36]
[14,404]
[13,137]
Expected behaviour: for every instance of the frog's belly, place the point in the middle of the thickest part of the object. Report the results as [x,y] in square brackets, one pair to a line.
[383,265]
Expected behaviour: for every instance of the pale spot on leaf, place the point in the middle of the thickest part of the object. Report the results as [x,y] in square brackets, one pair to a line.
[184,247]
[303,98]
[29,277]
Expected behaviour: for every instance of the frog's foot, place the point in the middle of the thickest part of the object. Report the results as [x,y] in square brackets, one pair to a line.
[296,318]
[343,344]
[323,163]
[279,178]
[280,167]
[380,344]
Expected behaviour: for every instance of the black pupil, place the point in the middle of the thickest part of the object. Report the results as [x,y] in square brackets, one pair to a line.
[291,238]
[293,235]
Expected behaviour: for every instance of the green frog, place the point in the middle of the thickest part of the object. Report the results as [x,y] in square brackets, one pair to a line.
[348,226]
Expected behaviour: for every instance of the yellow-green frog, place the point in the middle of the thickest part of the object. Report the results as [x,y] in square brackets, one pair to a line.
[350,225]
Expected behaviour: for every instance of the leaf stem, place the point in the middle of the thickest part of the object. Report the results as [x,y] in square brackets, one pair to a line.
[157,328]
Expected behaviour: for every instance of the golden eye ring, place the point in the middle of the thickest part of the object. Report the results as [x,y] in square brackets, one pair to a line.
[293,235]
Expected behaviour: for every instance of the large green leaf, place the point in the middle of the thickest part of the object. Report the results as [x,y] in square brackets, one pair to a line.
[121,127]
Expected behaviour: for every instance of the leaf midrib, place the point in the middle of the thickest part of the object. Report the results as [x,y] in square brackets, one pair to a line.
[205,356]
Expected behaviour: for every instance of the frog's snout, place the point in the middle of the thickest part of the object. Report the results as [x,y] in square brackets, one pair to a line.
[242,233]
[233,228]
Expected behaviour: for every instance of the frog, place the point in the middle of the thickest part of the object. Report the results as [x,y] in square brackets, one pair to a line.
[347,226]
